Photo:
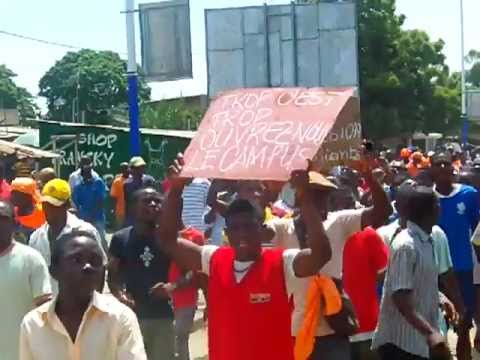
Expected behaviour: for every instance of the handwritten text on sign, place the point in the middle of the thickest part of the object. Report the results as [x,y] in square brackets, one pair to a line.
[263,133]
[101,148]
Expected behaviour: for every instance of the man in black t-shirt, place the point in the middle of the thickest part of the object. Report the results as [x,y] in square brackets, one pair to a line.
[138,275]
[138,180]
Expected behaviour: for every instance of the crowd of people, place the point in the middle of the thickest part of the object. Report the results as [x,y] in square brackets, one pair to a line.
[377,260]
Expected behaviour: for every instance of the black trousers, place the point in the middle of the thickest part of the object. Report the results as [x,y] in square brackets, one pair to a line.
[361,350]
[392,352]
[331,347]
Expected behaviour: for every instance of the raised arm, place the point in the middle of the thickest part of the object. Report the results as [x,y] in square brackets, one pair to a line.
[217,205]
[185,253]
[309,261]
[378,214]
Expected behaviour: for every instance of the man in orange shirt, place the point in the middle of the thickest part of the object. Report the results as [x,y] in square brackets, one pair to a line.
[415,164]
[405,155]
[29,214]
[117,193]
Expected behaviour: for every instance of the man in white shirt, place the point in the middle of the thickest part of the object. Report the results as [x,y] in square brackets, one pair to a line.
[339,226]
[79,323]
[24,283]
[195,208]
[55,202]
[408,323]
[441,249]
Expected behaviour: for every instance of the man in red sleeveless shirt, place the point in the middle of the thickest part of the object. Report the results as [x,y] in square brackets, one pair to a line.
[249,287]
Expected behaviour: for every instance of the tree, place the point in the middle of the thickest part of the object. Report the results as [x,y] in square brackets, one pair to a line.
[175,114]
[473,74]
[15,97]
[405,85]
[89,82]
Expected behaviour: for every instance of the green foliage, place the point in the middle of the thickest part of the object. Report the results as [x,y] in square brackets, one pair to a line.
[405,85]
[473,75]
[473,56]
[93,82]
[175,114]
[15,97]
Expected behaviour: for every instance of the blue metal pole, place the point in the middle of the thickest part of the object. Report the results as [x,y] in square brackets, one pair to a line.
[133,111]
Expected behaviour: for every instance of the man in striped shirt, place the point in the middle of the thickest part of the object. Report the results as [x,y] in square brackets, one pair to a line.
[195,204]
[408,327]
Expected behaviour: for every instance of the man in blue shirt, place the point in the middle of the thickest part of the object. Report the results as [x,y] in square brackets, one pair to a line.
[76,177]
[89,196]
[459,217]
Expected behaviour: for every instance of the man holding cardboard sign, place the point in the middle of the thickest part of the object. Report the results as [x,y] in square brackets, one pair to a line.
[317,336]
[249,287]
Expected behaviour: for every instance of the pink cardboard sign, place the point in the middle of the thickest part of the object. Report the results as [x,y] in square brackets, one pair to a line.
[264,134]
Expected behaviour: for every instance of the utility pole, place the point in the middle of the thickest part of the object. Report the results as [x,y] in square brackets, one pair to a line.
[464,90]
[132,76]
[76,112]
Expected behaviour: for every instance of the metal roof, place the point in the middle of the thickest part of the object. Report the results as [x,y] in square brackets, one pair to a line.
[22,151]
[172,133]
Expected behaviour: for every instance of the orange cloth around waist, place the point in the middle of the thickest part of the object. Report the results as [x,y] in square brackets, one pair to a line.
[324,296]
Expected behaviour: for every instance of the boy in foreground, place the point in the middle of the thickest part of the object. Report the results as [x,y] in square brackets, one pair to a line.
[80,323]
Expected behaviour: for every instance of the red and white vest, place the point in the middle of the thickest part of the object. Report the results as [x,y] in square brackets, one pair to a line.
[249,320]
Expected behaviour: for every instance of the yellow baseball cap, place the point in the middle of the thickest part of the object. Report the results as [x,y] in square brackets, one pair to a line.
[56,192]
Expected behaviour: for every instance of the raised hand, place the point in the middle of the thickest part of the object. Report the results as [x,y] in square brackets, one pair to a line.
[300,181]
[174,173]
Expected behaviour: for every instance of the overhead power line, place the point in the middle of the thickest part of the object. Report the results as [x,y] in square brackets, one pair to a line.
[45,42]
[53,43]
